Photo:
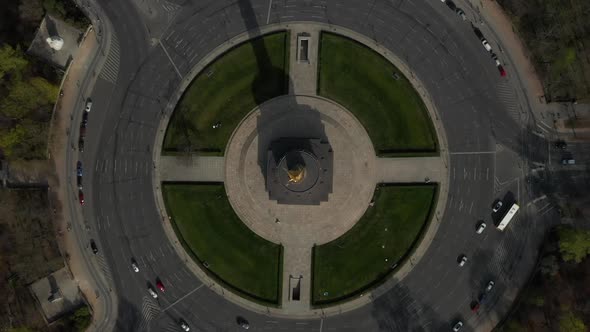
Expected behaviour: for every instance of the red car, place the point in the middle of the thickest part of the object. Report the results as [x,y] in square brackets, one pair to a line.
[160,286]
[475,307]
[502,71]
[81,197]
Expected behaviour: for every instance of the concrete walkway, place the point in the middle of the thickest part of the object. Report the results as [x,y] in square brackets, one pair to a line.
[192,168]
[409,170]
[303,71]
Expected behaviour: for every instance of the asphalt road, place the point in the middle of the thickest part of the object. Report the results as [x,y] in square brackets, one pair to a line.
[489,156]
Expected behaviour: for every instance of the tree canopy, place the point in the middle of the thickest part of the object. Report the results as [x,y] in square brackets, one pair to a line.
[11,60]
[568,321]
[574,244]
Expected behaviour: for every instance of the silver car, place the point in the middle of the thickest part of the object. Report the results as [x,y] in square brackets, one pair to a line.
[458,326]
[462,260]
[480,227]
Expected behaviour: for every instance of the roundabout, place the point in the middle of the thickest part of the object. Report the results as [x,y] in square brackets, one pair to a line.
[426,292]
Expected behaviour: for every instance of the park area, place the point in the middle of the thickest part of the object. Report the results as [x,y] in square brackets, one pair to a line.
[212,233]
[387,105]
[366,255]
[225,91]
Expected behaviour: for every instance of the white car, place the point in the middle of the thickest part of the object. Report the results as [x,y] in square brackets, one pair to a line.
[88,105]
[481,227]
[497,206]
[486,45]
[490,286]
[462,260]
[134,266]
[184,325]
[152,292]
[458,326]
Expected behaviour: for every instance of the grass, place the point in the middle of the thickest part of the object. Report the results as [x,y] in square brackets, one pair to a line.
[357,261]
[226,90]
[214,235]
[362,81]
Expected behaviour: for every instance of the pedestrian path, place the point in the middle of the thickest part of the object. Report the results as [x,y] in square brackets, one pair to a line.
[303,57]
[410,170]
[192,168]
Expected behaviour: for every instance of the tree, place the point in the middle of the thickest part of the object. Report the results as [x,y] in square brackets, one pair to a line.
[10,138]
[24,97]
[549,265]
[574,244]
[11,61]
[570,323]
[31,11]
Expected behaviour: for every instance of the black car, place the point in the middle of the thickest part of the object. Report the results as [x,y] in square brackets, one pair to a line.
[81,145]
[561,145]
[79,182]
[94,247]
[84,119]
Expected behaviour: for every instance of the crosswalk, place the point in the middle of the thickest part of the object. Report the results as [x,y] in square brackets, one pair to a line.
[169,6]
[105,269]
[507,96]
[110,70]
[149,310]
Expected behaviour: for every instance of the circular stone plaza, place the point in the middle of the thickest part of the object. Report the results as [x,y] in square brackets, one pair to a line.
[300,171]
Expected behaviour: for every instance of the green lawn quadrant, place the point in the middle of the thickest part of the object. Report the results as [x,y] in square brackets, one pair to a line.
[362,80]
[225,91]
[213,234]
[357,261]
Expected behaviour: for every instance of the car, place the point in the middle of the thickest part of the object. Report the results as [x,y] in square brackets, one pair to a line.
[490,286]
[568,161]
[561,145]
[497,206]
[93,247]
[486,45]
[481,226]
[483,297]
[457,327]
[81,197]
[152,292]
[134,265]
[160,285]
[462,260]
[79,170]
[243,323]
[461,13]
[79,182]
[183,325]
[475,307]
[88,105]
[81,145]
[84,119]
[82,131]
[501,70]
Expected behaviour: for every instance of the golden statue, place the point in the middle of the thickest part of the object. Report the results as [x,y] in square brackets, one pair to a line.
[296,173]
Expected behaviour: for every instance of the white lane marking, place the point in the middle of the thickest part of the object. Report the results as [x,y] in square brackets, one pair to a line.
[473,152]
[268,14]
[321,324]
[169,58]
[182,298]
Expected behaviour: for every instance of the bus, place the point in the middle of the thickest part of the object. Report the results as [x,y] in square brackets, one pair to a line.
[508,217]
